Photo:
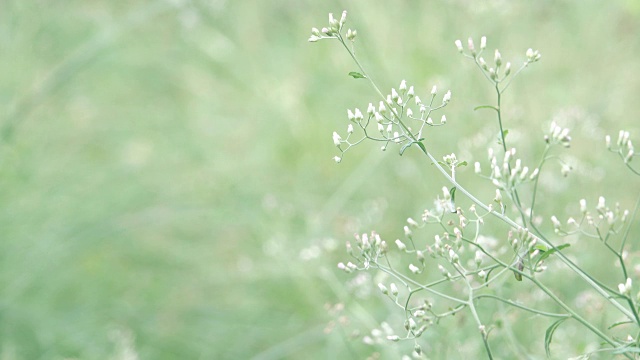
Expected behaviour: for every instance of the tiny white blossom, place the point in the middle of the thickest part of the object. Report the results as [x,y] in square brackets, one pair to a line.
[350,129]
[447,97]
[483,42]
[371,109]
[336,139]
[414,269]
[459,45]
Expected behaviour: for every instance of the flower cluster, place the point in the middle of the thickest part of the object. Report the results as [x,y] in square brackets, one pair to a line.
[400,118]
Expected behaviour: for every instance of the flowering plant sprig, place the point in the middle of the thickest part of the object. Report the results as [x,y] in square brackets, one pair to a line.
[466,259]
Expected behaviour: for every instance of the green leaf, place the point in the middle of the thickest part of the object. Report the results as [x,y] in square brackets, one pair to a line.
[442,163]
[546,254]
[424,149]
[463,163]
[548,335]
[485,107]
[618,323]
[405,147]
[357,75]
[505,132]
[452,191]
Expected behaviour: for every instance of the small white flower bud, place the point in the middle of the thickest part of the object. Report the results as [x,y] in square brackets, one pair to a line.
[523,174]
[497,58]
[401,245]
[358,115]
[447,97]
[383,288]
[434,90]
[379,117]
[583,206]
[477,167]
[412,223]
[351,34]
[325,31]
[343,18]
[394,338]
[389,128]
[407,231]
[418,101]
[382,108]
[453,256]
[336,139]
[601,204]
[471,47]
[534,174]
[414,269]
[430,121]
[483,63]
[529,53]
[492,73]
[371,109]
[409,112]
[478,258]
[394,289]
[443,120]
[483,43]
[350,115]
[394,95]
[333,23]
[337,159]
[620,137]
[411,92]
[381,128]
[629,156]
[350,129]
[403,85]
[498,197]
[507,69]
[556,222]
[315,32]
[396,136]
[459,45]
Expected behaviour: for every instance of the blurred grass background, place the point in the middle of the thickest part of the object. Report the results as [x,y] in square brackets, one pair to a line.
[166,182]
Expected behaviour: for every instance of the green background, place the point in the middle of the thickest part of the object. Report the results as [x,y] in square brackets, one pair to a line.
[167,189]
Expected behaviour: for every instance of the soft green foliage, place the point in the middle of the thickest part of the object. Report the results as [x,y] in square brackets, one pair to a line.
[167,186]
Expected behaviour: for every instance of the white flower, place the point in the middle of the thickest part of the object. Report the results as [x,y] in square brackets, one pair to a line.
[336,139]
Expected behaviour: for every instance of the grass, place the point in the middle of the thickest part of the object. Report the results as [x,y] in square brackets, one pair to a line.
[164,164]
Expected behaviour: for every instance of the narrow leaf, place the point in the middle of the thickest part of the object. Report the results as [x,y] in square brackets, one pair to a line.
[546,254]
[463,163]
[405,147]
[485,107]
[357,75]
[548,335]
[618,323]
